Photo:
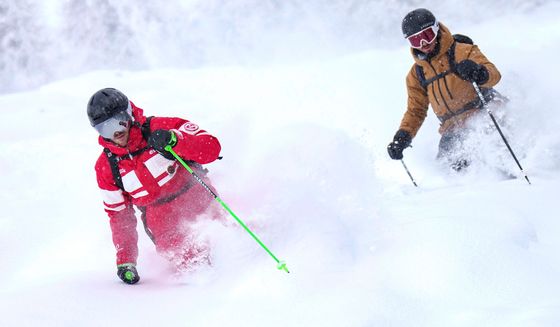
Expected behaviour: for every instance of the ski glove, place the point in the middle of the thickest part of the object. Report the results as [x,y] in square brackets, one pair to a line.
[161,138]
[472,72]
[127,273]
[401,141]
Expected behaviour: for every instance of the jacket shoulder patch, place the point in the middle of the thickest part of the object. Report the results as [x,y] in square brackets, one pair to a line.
[189,128]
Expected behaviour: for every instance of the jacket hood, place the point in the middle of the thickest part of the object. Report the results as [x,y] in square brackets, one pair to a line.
[444,39]
[135,139]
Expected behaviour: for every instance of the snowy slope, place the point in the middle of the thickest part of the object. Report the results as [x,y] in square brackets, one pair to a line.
[305,165]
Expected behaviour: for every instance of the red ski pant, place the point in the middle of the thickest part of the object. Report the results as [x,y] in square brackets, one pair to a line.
[168,223]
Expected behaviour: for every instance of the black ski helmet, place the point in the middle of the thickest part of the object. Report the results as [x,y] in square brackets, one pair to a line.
[417,20]
[104,104]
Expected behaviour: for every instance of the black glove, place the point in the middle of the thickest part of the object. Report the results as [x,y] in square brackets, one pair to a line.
[161,138]
[401,141]
[472,72]
[127,273]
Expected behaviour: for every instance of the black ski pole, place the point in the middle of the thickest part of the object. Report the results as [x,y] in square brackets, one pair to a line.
[485,105]
[408,172]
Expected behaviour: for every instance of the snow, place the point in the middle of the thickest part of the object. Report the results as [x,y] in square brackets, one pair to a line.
[305,167]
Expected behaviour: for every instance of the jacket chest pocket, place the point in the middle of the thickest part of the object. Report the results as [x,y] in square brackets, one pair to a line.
[161,169]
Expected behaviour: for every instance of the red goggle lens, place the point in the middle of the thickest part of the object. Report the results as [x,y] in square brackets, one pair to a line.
[428,35]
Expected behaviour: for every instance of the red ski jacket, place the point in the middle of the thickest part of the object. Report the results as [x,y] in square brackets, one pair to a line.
[148,177]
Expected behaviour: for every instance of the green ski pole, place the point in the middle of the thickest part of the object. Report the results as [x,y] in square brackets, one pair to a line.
[281,265]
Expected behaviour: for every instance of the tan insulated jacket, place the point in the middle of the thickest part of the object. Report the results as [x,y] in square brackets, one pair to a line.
[448,94]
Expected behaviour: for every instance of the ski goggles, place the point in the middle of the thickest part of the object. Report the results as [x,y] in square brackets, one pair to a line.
[120,122]
[427,36]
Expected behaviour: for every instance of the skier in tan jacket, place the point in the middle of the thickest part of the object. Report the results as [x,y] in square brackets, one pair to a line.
[445,68]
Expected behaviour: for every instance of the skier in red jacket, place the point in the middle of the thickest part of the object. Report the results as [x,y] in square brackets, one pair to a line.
[135,169]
